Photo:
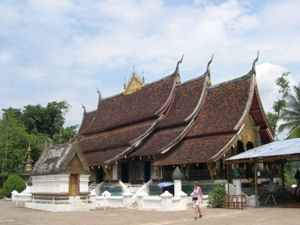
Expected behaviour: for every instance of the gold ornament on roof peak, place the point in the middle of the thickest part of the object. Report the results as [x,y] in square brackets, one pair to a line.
[28,167]
[135,83]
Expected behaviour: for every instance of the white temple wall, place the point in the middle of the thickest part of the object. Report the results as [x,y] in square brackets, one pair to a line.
[84,183]
[58,183]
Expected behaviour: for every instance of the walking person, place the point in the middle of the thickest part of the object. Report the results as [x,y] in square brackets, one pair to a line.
[197,197]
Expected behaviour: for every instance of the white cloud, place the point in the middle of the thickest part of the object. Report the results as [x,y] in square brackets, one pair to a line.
[5,57]
[267,75]
[30,74]
[65,49]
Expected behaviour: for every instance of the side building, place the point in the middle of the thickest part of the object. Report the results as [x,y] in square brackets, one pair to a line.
[148,130]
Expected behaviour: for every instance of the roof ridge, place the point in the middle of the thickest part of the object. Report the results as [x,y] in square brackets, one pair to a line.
[244,77]
[121,93]
[194,79]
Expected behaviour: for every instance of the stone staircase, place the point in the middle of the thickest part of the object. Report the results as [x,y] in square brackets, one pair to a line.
[133,188]
[92,186]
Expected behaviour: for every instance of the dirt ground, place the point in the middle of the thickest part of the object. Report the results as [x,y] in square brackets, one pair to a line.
[10,215]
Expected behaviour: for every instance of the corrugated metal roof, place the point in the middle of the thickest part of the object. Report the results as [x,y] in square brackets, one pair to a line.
[277,148]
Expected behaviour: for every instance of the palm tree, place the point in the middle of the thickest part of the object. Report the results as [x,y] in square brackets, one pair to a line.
[291,114]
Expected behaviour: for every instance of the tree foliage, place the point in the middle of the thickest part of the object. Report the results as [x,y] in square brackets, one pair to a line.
[291,114]
[217,197]
[14,182]
[280,104]
[34,124]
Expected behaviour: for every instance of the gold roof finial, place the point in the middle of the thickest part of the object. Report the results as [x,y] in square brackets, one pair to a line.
[135,83]
[28,167]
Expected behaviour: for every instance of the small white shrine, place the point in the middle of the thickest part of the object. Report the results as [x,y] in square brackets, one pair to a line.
[60,179]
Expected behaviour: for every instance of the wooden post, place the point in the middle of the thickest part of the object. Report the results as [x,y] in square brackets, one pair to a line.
[282,175]
[256,188]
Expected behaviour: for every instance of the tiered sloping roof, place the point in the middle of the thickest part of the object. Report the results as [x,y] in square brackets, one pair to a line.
[56,159]
[177,123]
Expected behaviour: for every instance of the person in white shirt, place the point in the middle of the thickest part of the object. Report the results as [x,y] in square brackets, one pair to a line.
[197,197]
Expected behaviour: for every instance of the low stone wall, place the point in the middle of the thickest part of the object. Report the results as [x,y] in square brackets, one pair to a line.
[164,202]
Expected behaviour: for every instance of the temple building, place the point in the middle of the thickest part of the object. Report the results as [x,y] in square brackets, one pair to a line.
[149,129]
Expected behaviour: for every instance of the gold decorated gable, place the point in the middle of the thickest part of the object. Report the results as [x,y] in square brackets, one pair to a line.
[135,84]
[249,132]
[75,165]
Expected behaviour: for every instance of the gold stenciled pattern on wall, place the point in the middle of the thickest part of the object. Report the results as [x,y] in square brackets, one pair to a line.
[135,83]
[249,132]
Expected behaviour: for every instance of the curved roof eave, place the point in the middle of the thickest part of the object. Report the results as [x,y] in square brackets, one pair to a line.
[192,120]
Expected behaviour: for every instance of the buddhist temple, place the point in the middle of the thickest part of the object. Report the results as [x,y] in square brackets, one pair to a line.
[147,130]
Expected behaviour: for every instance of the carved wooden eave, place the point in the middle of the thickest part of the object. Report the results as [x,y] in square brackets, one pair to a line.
[246,128]
[249,101]
[192,120]
[167,103]
[241,123]
[269,129]
[90,124]
[135,84]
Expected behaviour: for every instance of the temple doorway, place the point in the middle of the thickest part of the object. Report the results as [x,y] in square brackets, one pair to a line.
[74,184]
[147,171]
[124,172]
[99,175]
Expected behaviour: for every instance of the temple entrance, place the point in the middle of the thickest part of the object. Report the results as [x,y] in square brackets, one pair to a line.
[147,171]
[74,184]
[124,172]
[99,175]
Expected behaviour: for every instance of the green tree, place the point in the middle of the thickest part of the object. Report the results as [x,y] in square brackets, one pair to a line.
[67,134]
[33,125]
[13,142]
[280,104]
[47,120]
[291,114]
[14,182]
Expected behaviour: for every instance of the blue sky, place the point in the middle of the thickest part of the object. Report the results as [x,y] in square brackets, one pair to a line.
[52,50]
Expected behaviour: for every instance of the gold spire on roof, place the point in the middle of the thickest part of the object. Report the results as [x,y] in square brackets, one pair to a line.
[28,167]
[135,83]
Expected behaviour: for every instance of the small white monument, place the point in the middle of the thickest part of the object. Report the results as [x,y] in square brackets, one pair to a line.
[60,178]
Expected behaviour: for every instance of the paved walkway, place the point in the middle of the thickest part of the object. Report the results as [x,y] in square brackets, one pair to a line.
[10,215]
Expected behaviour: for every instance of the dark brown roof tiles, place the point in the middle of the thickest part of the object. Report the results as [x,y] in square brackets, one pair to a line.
[195,150]
[223,108]
[114,138]
[185,100]
[158,140]
[122,109]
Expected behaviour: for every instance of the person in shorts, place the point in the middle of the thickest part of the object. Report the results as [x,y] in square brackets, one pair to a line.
[197,197]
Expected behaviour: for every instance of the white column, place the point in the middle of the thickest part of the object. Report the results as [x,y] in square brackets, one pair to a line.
[127,199]
[84,183]
[166,201]
[177,187]
[238,186]
[140,197]
[114,172]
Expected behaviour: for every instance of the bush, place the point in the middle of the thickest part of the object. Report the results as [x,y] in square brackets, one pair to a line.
[14,182]
[217,197]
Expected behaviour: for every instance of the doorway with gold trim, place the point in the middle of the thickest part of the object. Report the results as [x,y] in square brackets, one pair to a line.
[74,184]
